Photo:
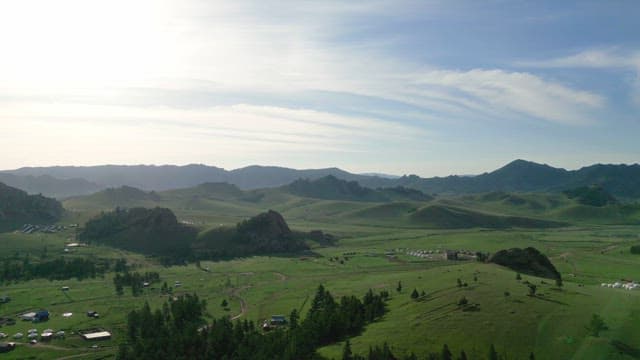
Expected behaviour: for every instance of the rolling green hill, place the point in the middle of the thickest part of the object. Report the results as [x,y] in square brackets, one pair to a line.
[333,200]
[446,217]
[591,195]
[332,188]
[266,233]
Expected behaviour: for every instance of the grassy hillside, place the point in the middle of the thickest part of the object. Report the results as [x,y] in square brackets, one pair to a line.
[213,204]
[447,217]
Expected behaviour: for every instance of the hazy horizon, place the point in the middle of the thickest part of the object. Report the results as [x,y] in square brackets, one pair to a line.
[429,88]
[368,173]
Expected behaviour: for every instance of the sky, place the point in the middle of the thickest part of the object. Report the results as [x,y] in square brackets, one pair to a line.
[401,87]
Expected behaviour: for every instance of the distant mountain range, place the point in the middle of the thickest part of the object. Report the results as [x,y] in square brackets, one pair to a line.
[623,181]
[49,185]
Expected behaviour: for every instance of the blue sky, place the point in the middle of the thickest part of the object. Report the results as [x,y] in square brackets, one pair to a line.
[424,87]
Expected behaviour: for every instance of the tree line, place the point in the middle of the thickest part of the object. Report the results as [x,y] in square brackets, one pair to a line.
[57,269]
[178,330]
[134,280]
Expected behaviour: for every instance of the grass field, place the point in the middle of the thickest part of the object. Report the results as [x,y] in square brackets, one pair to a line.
[552,324]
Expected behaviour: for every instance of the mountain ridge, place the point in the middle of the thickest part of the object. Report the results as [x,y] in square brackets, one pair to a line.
[621,180]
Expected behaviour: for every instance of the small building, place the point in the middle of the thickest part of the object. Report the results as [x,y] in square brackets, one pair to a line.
[7,321]
[30,316]
[92,313]
[451,255]
[46,336]
[6,347]
[278,320]
[99,335]
[65,288]
[42,315]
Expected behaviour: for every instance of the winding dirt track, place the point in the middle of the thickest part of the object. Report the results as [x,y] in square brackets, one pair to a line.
[243,304]
[281,276]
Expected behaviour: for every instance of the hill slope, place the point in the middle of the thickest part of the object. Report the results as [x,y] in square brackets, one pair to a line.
[18,207]
[448,217]
[149,231]
[332,188]
[591,195]
[266,233]
[50,186]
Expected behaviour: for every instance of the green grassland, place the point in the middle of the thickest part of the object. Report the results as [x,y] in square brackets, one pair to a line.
[552,325]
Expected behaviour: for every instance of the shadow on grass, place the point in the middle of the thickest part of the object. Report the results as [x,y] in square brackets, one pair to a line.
[550,300]
[625,349]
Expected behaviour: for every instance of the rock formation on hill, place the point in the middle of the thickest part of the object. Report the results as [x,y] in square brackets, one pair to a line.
[527,261]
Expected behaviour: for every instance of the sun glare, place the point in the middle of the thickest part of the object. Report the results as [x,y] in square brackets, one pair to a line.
[78,43]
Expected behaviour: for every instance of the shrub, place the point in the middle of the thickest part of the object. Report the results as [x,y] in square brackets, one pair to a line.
[414,294]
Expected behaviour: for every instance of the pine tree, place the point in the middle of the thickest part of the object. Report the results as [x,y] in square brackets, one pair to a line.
[446,354]
[463,355]
[293,319]
[346,351]
[531,356]
[414,294]
[493,355]
[518,277]
[399,288]
[596,325]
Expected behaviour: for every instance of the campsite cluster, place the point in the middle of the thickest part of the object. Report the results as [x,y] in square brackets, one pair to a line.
[627,285]
[439,254]
[42,316]
[48,229]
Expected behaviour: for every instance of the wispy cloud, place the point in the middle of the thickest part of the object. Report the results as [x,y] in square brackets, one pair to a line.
[592,58]
[228,132]
[607,58]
